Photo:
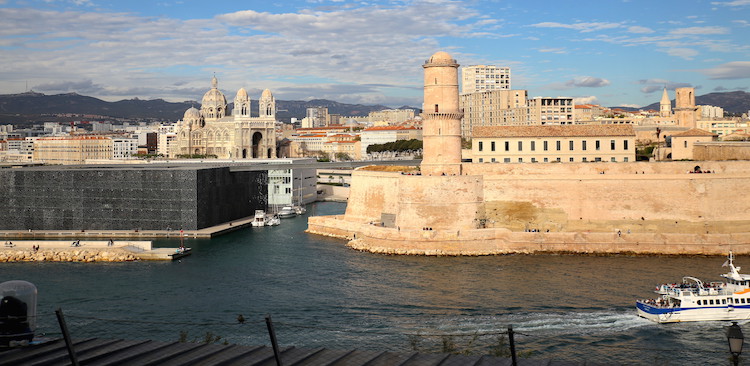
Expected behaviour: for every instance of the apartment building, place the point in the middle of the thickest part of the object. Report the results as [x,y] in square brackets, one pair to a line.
[479,78]
[551,111]
[493,108]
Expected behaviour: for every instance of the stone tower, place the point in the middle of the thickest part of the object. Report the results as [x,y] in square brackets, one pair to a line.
[665,105]
[441,115]
[685,108]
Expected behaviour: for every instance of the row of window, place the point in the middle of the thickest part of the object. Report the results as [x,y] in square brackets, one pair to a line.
[547,160]
[558,145]
[724,301]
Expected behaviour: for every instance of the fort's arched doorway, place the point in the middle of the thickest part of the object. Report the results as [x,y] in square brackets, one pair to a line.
[257,137]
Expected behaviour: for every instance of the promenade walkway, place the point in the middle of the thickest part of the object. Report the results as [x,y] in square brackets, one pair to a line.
[208,232]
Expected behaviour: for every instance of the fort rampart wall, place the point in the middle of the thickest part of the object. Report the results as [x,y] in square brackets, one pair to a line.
[579,208]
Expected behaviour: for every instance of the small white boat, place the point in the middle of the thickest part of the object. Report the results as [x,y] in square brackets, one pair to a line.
[299,209]
[695,300]
[286,212]
[259,219]
[272,220]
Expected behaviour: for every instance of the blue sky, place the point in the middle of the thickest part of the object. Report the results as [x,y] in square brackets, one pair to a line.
[609,52]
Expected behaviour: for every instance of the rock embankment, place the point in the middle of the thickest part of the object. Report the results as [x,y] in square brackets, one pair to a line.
[67,255]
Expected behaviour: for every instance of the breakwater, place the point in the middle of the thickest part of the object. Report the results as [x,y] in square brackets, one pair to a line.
[67,255]
[73,251]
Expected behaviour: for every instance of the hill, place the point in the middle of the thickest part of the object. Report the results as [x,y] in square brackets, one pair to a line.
[16,108]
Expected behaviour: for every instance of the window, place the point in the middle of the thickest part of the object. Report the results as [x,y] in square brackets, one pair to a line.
[625,145]
[492,146]
[533,160]
[597,145]
[520,145]
[520,160]
[570,146]
[625,160]
[533,145]
[723,301]
[685,143]
[584,159]
[546,160]
[612,144]
[507,146]
[583,145]
[558,145]
[571,160]
[557,160]
[493,160]
[481,160]
[545,146]
[481,146]
[613,159]
[597,159]
[506,160]
[711,302]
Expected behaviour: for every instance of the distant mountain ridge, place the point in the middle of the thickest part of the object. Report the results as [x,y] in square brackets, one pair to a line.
[14,106]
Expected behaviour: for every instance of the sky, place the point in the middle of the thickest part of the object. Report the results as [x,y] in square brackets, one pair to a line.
[608,52]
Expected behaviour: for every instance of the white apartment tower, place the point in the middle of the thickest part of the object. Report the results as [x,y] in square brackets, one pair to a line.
[480,78]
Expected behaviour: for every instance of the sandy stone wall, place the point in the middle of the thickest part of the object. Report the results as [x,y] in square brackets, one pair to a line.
[722,151]
[502,241]
[569,207]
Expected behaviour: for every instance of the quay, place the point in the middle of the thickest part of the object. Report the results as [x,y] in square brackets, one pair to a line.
[205,233]
[85,251]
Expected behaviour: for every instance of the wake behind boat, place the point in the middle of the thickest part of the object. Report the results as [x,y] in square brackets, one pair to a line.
[695,300]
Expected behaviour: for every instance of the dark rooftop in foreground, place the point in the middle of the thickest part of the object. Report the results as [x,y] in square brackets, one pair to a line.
[96,351]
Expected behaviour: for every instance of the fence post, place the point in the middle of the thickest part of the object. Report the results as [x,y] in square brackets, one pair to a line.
[275,345]
[66,336]
[512,345]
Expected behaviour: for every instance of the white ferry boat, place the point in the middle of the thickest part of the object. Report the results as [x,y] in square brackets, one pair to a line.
[695,300]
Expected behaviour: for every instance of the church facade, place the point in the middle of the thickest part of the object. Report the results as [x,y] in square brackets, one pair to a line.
[213,131]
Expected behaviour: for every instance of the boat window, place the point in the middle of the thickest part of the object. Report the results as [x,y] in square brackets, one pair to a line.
[729,300]
[700,302]
[711,302]
[742,300]
[723,301]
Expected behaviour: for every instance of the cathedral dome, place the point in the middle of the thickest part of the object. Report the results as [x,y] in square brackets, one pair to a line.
[191,114]
[214,98]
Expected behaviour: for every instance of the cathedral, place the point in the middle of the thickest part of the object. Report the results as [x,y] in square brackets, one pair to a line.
[213,131]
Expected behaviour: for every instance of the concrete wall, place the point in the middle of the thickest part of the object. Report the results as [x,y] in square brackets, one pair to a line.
[127,198]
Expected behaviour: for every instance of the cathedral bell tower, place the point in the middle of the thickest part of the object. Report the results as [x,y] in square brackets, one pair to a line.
[441,116]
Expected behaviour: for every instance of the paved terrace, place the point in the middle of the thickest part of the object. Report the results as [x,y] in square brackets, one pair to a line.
[208,232]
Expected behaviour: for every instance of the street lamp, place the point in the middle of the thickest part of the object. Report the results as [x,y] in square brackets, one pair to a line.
[736,341]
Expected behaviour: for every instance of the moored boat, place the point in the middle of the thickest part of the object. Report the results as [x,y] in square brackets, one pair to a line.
[695,300]
[286,212]
[259,219]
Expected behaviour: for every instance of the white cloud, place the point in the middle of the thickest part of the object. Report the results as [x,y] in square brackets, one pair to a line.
[700,30]
[639,29]
[729,70]
[731,3]
[581,27]
[585,100]
[685,53]
[383,44]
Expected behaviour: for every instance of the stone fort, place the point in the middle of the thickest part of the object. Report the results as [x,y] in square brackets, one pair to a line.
[447,207]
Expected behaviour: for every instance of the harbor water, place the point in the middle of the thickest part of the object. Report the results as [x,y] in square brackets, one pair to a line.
[321,294]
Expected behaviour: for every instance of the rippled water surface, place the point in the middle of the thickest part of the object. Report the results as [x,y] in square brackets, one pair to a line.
[321,294]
